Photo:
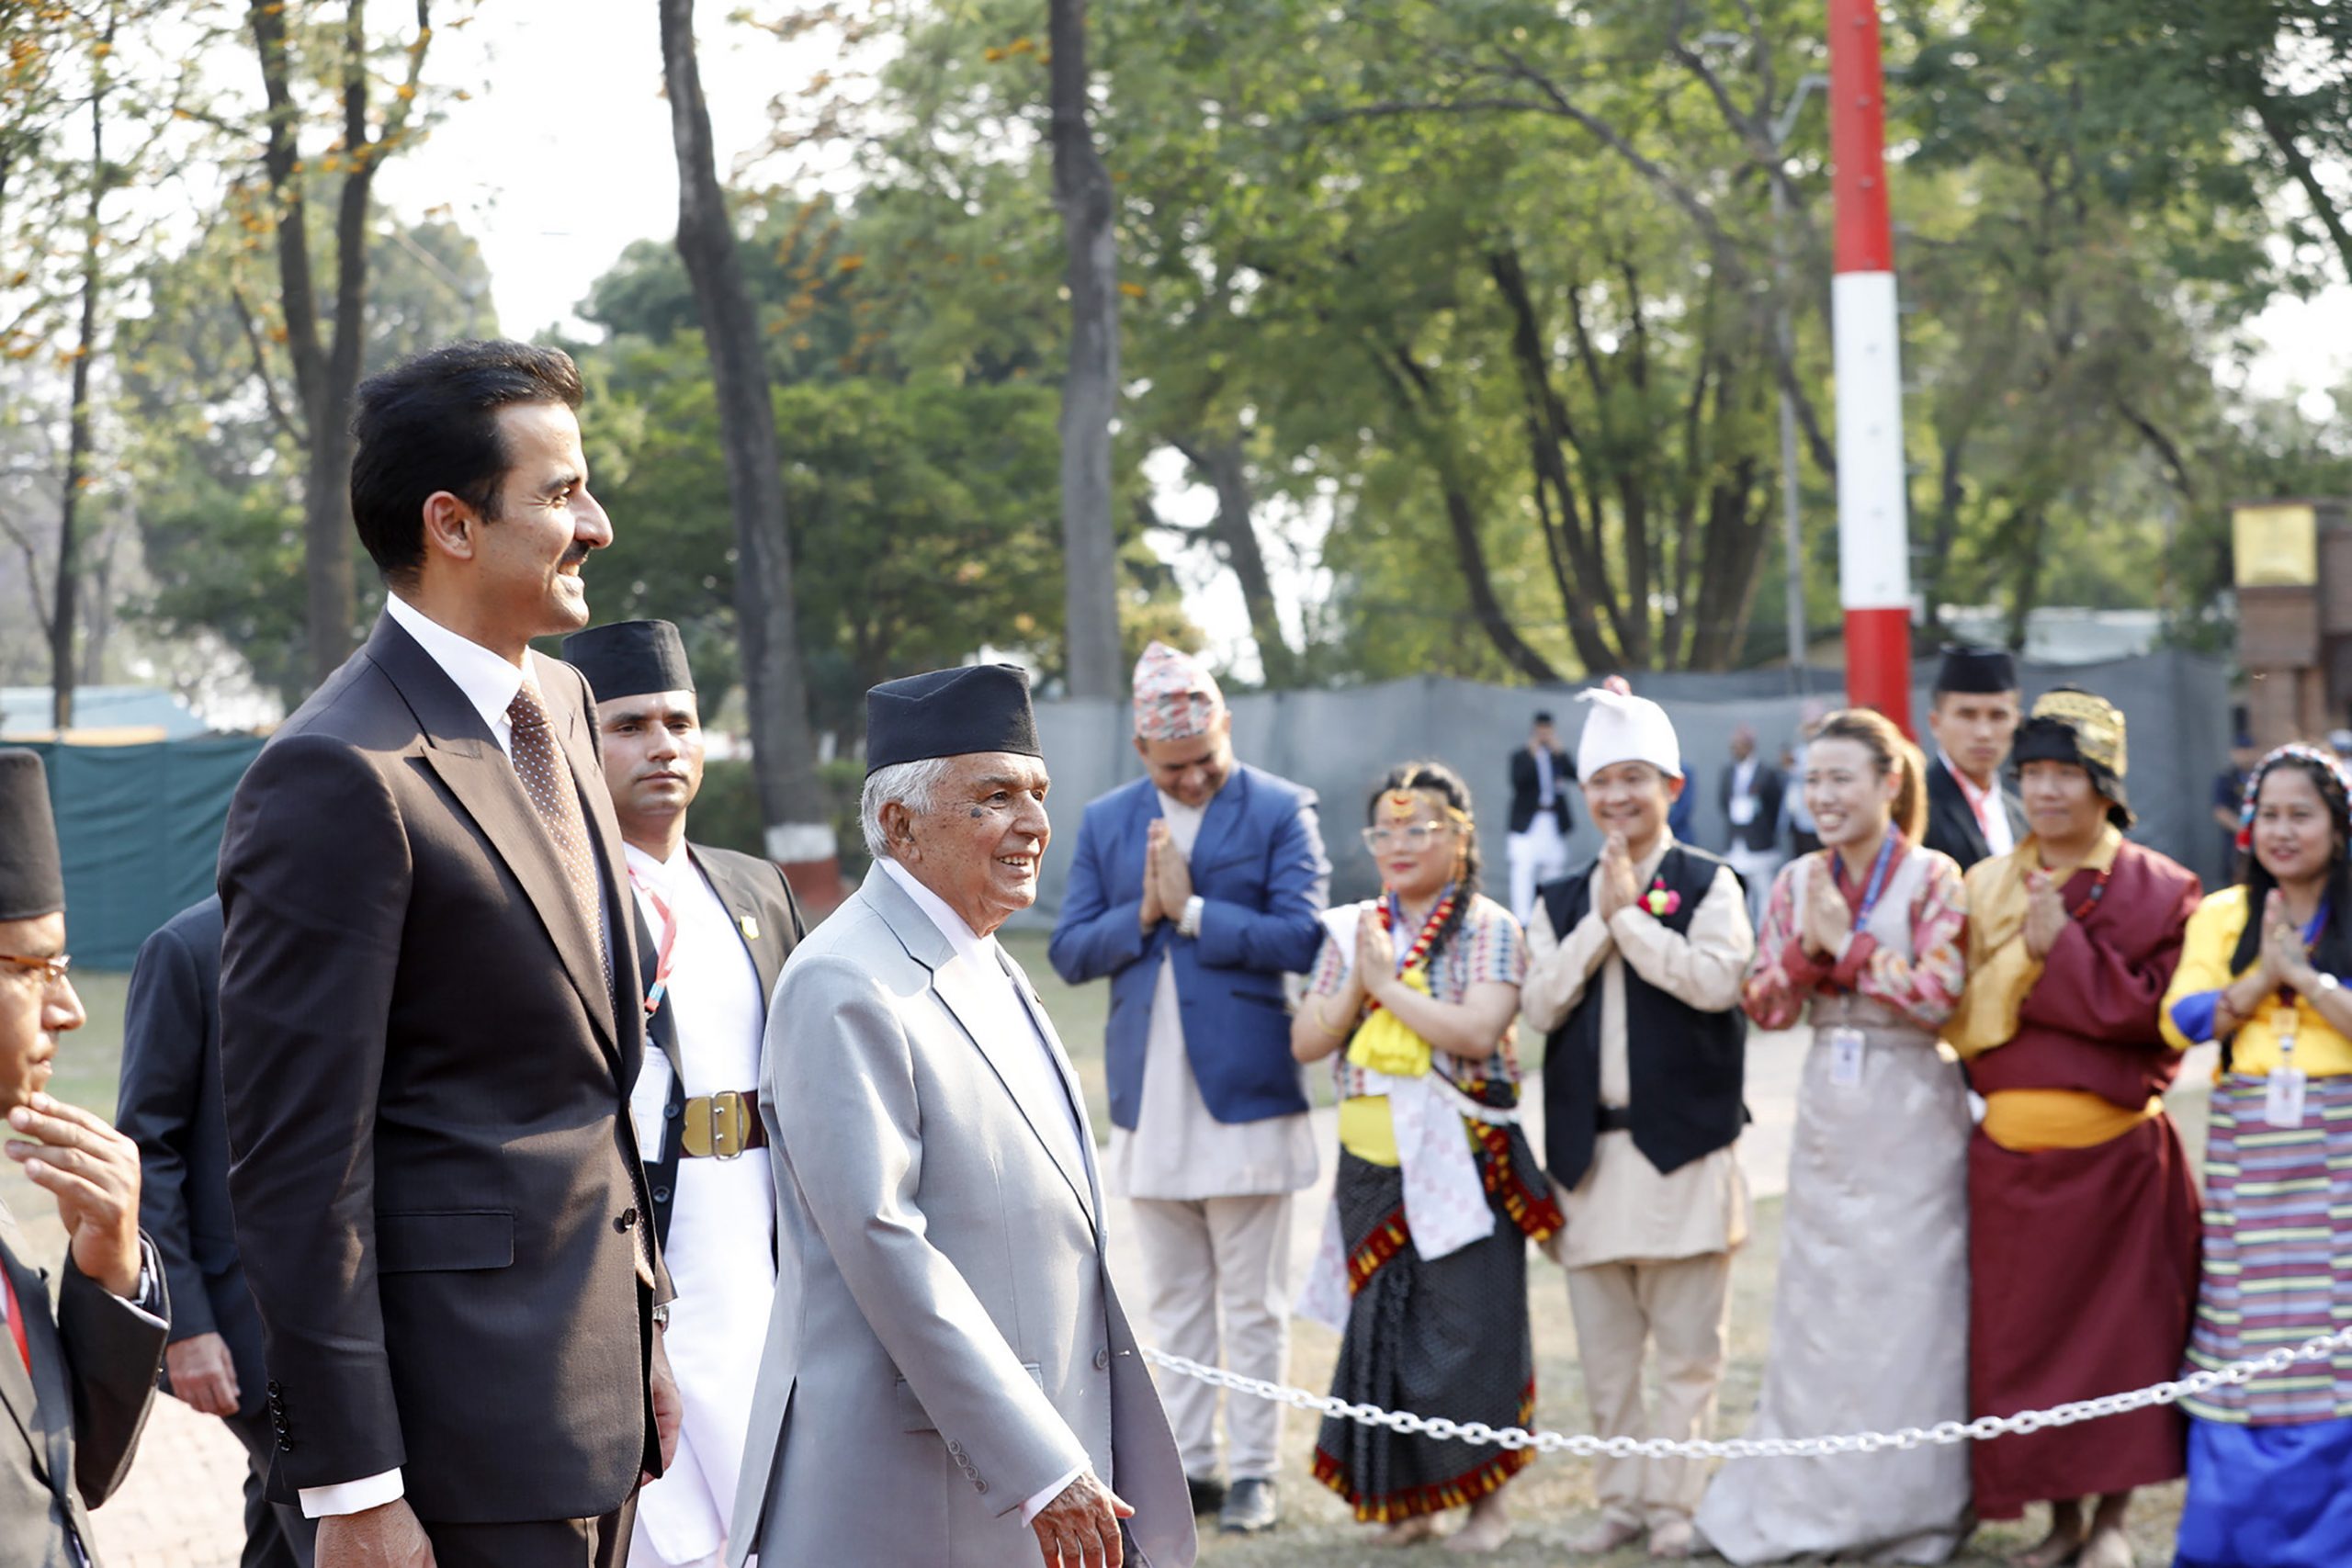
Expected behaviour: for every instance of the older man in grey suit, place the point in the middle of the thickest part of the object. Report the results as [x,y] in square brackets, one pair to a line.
[948,1375]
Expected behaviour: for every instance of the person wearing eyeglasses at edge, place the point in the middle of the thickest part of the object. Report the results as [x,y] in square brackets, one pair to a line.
[1863,941]
[1424,1263]
[1633,972]
[2083,1212]
[76,1385]
[2268,1457]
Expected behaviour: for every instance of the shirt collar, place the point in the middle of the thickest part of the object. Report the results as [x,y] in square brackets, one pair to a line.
[488,682]
[969,945]
[1977,795]
[654,872]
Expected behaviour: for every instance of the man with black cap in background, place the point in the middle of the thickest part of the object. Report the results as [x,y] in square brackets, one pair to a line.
[949,1375]
[76,1384]
[1972,715]
[1540,776]
[713,928]
[169,1104]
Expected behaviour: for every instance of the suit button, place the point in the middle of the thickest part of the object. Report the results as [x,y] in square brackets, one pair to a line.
[660,1194]
[982,1485]
[284,1447]
[627,1218]
[1102,1358]
[272,1386]
[669,1112]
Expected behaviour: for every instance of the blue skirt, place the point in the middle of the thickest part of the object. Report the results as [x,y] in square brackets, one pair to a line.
[2267,1496]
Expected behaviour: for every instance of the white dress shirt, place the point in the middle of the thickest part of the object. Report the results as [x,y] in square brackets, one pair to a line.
[1986,805]
[984,958]
[722,1223]
[489,684]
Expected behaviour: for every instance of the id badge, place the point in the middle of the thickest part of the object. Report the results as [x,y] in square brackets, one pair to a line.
[2283,1097]
[1846,1049]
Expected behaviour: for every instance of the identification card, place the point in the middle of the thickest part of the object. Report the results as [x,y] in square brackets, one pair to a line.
[1846,1048]
[2283,1097]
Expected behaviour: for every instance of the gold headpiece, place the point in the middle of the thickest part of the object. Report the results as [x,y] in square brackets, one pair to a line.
[2098,724]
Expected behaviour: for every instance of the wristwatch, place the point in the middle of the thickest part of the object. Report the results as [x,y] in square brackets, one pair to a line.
[2329,982]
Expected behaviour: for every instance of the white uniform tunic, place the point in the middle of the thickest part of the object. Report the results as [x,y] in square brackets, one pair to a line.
[722,1223]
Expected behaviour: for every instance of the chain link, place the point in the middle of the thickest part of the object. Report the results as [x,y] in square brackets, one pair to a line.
[1587,1445]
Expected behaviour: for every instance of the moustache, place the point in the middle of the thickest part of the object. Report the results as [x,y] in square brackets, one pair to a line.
[576,554]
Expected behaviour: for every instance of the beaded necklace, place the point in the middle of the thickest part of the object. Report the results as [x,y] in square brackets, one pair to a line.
[1392,911]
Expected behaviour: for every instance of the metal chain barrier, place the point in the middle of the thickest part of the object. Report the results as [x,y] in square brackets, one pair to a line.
[1587,1445]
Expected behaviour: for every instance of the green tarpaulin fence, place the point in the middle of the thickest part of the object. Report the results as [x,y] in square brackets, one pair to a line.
[141,830]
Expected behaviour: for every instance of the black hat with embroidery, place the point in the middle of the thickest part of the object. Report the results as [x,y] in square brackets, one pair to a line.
[628,659]
[33,874]
[950,713]
[1976,670]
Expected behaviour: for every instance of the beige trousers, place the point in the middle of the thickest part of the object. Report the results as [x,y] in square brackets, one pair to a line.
[1683,1306]
[1220,1258]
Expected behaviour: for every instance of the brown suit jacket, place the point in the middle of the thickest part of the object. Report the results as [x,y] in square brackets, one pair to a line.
[433,1169]
[69,1428]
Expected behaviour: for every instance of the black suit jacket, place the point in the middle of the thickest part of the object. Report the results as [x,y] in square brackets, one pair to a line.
[170,1106]
[69,1428]
[753,891]
[1952,826]
[424,1069]
[1526,788]
[1764,830]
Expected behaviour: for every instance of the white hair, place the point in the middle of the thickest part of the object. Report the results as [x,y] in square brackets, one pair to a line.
[910,785]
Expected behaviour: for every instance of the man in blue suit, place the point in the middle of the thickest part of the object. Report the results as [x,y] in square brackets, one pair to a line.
[1195,890]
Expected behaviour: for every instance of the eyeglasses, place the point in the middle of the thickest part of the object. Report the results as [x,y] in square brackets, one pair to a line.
[51,970]
[1380,841]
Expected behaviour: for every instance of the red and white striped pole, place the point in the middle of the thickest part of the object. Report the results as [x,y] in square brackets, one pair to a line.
[1873,528]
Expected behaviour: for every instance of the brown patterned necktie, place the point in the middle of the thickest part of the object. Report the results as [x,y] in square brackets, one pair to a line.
[547,779]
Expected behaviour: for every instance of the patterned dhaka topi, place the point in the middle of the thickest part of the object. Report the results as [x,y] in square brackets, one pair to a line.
[1176,697]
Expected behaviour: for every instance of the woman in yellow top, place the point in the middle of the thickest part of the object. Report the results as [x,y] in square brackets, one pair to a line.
[2266,1459]
[1438,1188]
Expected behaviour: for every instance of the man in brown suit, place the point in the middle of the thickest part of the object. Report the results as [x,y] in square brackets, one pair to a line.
[430,1012]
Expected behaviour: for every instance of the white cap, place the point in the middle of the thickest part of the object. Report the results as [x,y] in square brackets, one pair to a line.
[1623,727]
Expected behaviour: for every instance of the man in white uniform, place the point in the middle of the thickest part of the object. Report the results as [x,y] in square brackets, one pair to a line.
[713,929]
[1195,889]
[1540,776]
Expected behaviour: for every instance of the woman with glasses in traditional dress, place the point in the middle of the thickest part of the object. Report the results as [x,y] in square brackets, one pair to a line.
[2259,973]
[1424,1261]
[1870,1325]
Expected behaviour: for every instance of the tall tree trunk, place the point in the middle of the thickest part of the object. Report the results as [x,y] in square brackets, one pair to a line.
[66,589]
[327,363]
[799,829]
[1236,536]
[1090,389]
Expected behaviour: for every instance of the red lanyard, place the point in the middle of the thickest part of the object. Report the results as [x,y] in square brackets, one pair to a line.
[16,1320]
[668,949]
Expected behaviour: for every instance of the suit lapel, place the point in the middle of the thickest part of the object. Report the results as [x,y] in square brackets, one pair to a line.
[767,952]
[17,1390]
[466,757]
[958,988]
[1225,809]
[596,809]
[661,1028]
[1063,1070]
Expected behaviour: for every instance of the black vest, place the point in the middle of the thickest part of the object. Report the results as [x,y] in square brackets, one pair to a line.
[1688,1068]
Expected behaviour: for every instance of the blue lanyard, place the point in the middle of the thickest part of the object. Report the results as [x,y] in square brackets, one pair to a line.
[1876,884]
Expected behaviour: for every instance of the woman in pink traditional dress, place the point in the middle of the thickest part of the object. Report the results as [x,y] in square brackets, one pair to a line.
[1870,1326]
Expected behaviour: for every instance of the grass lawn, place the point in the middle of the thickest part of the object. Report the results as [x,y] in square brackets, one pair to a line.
[1552,1499]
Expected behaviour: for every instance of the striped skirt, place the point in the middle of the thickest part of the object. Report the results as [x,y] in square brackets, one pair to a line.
[2278,1243]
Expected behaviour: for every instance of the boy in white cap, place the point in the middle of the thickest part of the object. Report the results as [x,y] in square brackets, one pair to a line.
[1634,965]
[1195,889]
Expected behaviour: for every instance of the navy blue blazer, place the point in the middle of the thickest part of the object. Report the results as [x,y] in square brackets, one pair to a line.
[1259,871]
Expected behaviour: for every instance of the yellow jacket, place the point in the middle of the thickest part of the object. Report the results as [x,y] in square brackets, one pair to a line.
[2211,938]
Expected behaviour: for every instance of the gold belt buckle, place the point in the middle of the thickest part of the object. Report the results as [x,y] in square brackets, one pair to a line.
[715,1126]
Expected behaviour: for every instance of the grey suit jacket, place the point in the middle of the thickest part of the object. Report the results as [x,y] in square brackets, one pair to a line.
[68,1430]
[946,1341]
